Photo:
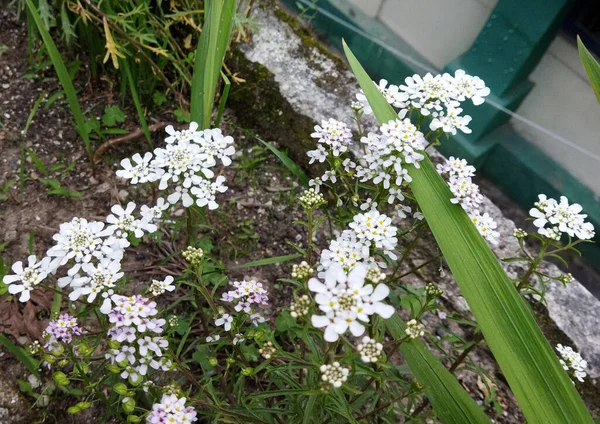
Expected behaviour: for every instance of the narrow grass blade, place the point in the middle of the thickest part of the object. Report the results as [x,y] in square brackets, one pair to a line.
[223,100]
[591,66]
[136,101]
[63,76]
[37,162]
[268,261]
[212,46]
[30,363]
[542,388]
[292,166]
[34,109]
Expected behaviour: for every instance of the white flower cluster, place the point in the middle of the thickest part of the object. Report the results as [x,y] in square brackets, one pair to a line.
[368,231]
[332,135]
[333,376]
[438,96]
[377,228]
[185,163]
[347,301]
[466,193]
[369,349]
[136,329]
[300,306]
[572,360]
[171,410]
[93,252]
[246,294]
[414,329]
[554,219]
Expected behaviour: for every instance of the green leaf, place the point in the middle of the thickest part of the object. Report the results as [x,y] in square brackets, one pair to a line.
[268,261]
[158,98]
[112,115]
[223,100]
[212,46]
[591,66]
[26,359]
[136,101]
[542,388]
[34,109]
[54,187]
[63,76]
[449,400]
[37,162]
[292,166]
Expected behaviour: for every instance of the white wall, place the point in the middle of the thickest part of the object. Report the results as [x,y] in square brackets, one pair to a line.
[564,103]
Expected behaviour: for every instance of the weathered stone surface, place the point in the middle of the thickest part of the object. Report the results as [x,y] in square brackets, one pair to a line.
[301,70]
[14,408]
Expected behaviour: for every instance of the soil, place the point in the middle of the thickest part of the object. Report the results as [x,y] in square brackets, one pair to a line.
[255,219]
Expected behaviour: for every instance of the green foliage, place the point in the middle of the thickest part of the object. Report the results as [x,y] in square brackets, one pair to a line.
[23,356]
[112,116]
[292,166]
[543,389]
[591,66]
[209,59]
[54,187]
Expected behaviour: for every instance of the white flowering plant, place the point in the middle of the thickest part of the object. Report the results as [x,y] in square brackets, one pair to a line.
[191,345]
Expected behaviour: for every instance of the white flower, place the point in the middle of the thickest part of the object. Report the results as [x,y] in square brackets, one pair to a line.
[486,226]
[214,338]
[78,240]
[572,360]
[224,320]
[142,171]
[159,287]
[97,279]
[320,154]
[562,217]
[123,222]
[376,228]
[334,134]
[25,278]
[171,410]
[238,338]
[205,191]
[467,87]
[450,121]
[370,350]
[155,213]
[347,301]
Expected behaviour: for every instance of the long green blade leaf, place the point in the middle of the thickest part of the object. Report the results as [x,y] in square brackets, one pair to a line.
[449,400]
[268,261]
[64,78]
[542,388]
[292,166]
[591,66]
[209,58]
[136,101]
[29,362]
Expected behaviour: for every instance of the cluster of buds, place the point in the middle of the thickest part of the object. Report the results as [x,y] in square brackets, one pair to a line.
[311,199]
[519,233]
[303,271]
[193,255]
[333,376]
[374,275]
[414,329]
[369,349]
[267,350]
[300,306]
[433,291]
[565,278]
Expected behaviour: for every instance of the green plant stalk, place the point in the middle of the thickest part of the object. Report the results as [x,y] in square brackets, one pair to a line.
[36,106]
[223,100]
[542,388]
[209,58]
[64,78]
[136,101]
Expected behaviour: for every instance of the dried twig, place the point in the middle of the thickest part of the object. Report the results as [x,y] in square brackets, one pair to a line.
[131,136]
